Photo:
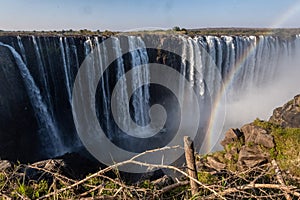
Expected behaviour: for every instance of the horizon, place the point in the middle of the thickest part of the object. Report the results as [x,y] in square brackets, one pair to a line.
[116,15]
[157,29]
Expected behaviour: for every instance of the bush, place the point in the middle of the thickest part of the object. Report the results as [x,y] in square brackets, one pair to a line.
[176,28]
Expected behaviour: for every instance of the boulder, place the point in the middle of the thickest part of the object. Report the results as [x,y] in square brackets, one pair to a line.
[251,156]
[230,136]
[266,140]
[72,165]
[251,132]
[288,115]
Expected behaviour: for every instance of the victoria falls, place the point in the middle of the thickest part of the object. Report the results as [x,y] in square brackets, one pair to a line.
[65,94]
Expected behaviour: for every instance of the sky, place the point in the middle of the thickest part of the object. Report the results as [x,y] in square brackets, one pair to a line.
[121,15]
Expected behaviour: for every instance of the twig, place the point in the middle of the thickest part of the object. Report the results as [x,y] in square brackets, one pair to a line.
[92,190]
[132,161]
[52,173]
[118,191]
[106,170]
[280,179]
[4,196]
[171,187]
[252,186]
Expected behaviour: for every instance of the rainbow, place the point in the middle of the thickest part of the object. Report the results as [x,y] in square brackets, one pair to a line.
[214,131]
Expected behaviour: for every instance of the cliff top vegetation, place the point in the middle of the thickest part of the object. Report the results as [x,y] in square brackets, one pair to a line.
[282,32]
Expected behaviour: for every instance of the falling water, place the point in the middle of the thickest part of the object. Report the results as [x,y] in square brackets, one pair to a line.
[140,99]
[66,65]
[243,62]
[47,128]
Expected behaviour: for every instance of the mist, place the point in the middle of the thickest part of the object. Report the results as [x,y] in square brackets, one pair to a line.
[259,102]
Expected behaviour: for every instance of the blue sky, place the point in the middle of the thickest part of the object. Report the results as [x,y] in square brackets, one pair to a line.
[140,14]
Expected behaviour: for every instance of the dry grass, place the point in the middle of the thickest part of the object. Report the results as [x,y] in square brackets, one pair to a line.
[260,182]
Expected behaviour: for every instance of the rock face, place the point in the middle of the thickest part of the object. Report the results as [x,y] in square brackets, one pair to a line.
[288,115]
[257,135]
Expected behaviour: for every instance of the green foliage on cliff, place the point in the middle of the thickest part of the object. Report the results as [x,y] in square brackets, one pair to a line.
[287,150]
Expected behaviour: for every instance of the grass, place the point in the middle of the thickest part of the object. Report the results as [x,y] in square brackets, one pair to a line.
[287,150]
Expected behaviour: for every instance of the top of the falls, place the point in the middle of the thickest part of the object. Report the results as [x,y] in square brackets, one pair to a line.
[281,32]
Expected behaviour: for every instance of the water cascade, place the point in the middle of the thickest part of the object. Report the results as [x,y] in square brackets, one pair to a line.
[48,67]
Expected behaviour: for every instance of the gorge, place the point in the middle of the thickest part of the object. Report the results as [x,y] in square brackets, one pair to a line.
[38,72]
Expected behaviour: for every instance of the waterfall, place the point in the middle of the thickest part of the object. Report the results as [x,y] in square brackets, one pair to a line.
[47,128]
[141,97]
[123,105]
[102,56]
[244,63]
[42,72]
[22,49]
[66,65]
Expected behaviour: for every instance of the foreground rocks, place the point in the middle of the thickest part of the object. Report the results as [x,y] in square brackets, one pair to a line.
[243,148]
[260,142]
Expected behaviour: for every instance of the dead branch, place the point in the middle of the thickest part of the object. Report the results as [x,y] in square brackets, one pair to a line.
[171,187]
[190,161]
[133,161]
[258,186]
[280,179]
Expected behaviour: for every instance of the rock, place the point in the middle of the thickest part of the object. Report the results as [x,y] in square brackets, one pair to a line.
[5,165]
[53,165]
[229,155]
[265,139]
[251,132]
[214,163]
[288,115]
[230,136]
[251,156]
[72,165]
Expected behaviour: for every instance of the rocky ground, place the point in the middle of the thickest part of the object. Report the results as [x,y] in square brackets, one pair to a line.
[261,141]
[260,160]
